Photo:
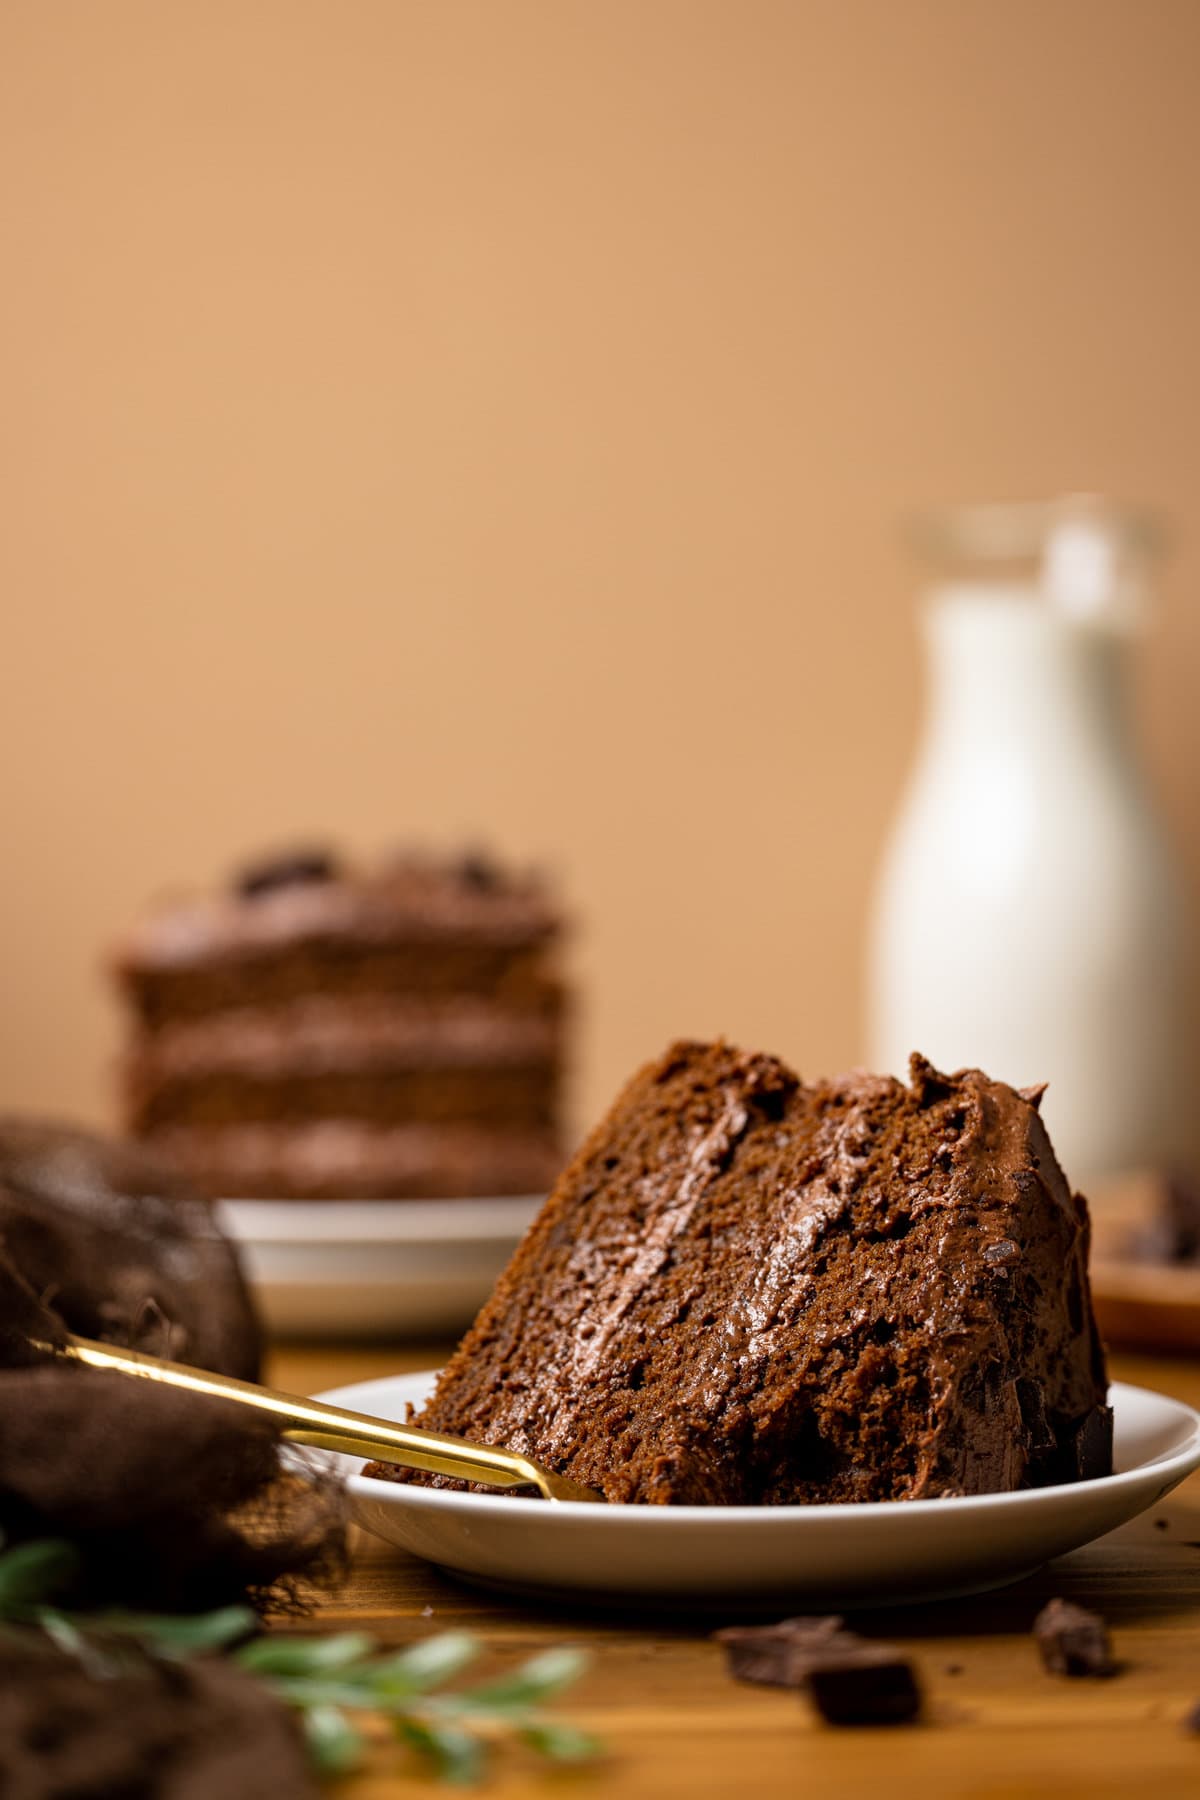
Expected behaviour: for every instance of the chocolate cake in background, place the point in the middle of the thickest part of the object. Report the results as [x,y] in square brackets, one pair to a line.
[746,1289]
[318,1031]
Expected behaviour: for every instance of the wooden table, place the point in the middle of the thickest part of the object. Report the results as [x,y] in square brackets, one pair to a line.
[996,1726]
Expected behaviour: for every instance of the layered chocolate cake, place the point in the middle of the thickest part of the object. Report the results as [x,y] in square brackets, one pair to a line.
[321,1032]
[747,1289]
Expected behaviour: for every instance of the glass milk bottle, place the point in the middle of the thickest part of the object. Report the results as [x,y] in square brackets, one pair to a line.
[1027,917]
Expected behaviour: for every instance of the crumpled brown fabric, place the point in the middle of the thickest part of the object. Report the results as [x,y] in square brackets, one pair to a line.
[122,1248]
[175,1502]
[148,1731]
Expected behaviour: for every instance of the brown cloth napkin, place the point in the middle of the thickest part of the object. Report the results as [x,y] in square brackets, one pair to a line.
[176,1502]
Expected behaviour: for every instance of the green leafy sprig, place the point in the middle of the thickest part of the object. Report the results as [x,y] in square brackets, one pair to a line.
[335,1683]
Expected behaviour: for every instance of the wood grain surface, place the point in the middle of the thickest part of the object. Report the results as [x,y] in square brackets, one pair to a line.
[995,1727]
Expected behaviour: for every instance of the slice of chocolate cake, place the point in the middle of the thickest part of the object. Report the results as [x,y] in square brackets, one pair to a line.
[749,1290]
[321,1032]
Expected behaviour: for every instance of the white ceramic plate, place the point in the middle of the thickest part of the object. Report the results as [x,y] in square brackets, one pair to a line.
[776,1556]
[374,1268]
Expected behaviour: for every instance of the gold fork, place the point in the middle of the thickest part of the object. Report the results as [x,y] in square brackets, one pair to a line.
[332,1427]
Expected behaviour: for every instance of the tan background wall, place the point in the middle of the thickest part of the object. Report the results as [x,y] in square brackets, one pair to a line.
[493,419]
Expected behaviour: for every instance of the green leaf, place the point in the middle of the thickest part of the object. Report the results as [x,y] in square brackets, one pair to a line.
[270,1655]
[559,1741]
[424,1665]
[535,1680]
[33,1572]
[459,1757]
[334,1744]
[182,1635]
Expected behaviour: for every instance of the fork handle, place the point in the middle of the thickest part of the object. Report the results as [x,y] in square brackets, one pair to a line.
[334,1428]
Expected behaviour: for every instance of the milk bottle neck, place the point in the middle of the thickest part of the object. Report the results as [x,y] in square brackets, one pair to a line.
[1008,674]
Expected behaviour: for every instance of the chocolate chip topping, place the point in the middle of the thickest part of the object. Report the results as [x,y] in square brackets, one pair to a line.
[294,868]
[478,870]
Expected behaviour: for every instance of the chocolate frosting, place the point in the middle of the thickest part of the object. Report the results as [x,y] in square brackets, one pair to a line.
[414,900]
[123,1249]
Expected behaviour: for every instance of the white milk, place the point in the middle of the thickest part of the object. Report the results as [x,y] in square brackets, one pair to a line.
[1027,918]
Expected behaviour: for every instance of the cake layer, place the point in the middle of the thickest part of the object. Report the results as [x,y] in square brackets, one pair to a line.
[333,1159]
[384,1060]
[514,979]
[320,1034]
[517,1099]
[749,1290]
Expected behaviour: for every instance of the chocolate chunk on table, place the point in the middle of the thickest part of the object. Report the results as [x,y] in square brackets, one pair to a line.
[851,1681]
[859,1683]
[778,1655]
[1073,1641]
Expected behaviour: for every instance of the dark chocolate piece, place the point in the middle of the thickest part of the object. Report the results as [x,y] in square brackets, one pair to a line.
[1092,1446]
[864,1684]
[777,1655]
[295,868]
[1073,1641]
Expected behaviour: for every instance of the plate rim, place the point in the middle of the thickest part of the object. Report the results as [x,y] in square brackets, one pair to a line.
[475,1219]
[1178,1464]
